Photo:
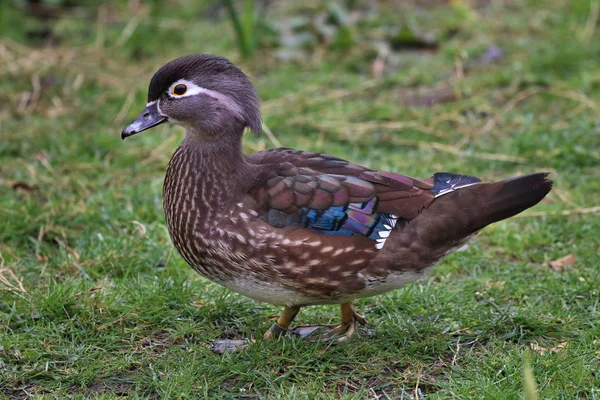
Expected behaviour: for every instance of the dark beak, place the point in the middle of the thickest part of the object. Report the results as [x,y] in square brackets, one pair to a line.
[148,118]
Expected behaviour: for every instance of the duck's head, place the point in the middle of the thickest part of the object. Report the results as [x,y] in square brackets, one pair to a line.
[206,94]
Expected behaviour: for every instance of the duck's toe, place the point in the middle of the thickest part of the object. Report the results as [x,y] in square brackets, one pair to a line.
[284,321]
[347,328]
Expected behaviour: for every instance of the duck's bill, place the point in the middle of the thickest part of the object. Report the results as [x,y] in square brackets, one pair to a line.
[149,118]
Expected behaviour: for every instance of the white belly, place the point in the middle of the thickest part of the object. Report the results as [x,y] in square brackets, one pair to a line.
[275,293]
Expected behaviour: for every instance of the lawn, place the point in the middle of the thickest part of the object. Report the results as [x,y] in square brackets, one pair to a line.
[95,302]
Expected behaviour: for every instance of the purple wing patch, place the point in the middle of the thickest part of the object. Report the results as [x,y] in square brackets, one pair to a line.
[353,219]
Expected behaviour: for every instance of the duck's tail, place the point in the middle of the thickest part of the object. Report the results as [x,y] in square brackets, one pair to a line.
[456,215]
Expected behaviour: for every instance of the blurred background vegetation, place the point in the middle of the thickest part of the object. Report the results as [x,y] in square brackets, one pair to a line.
[93,301]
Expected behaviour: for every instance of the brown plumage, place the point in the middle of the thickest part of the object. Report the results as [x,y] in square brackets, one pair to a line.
[298,228]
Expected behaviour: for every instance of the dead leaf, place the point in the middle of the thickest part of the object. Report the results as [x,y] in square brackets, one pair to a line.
[229,345]
[559,346]
[537,348]
[542,350]
[24,186]
[405,37]
[563,263]
[431,99]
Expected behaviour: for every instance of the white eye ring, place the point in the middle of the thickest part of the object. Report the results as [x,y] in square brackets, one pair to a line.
[179,90]
[191,89]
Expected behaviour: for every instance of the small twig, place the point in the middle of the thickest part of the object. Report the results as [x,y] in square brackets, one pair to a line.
[459,72]
[78,81]
[169,256]
[109,324]
[566,94]
[271,136]
[378,66]
[7,211]
[19,288]
[590,26]
[35,94]
[158,152]
[40,238]
[315,100]
[141,227]
[41,157]
[364,128]
[589,153]
[100,23]
[575,96]
[456,353]
[521,96]
[489,125]
[25,99]
[576,211]
[479,154]
[565,198]
[125,107]
[130,28]
[417,386]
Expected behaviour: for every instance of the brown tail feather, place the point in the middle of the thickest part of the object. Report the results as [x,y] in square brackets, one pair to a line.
[501,200]
[455,216]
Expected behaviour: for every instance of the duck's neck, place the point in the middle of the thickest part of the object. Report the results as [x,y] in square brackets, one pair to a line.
[203,180]
[219,157]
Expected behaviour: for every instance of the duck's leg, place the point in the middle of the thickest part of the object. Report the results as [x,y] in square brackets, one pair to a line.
[283,323]
[348,326]
[279,328]
[337,332]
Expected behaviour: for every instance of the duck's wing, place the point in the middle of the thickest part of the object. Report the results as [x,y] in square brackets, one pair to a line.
[331,196]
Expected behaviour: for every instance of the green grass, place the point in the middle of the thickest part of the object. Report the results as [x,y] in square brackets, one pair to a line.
[107,308]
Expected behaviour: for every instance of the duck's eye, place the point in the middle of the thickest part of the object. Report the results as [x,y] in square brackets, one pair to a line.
[179,90]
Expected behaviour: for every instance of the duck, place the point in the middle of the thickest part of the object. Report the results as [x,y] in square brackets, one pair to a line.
[298,228]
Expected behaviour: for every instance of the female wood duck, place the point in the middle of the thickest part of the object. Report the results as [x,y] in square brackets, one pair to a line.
[297,228]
